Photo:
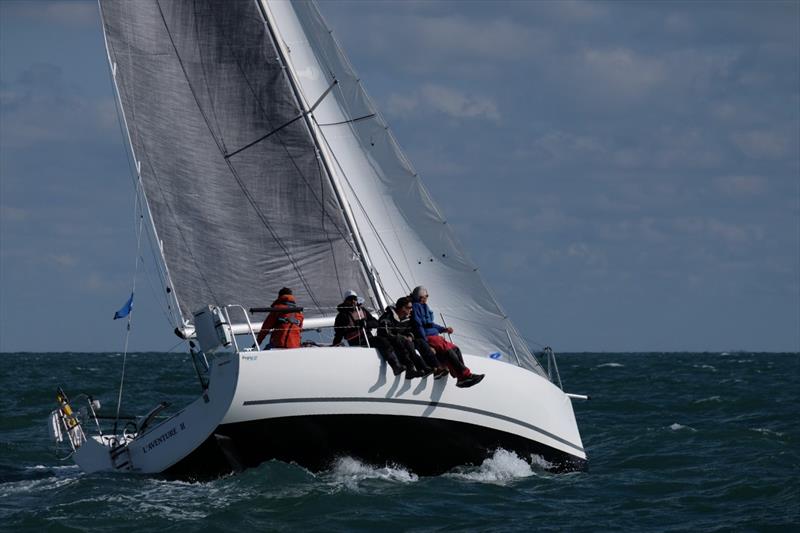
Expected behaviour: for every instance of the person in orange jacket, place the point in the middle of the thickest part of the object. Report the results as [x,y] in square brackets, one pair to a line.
[284,325]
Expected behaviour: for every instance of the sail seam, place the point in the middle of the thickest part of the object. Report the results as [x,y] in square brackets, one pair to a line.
[349,121]
[205,78]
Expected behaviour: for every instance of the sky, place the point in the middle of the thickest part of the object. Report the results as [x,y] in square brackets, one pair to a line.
[625,174]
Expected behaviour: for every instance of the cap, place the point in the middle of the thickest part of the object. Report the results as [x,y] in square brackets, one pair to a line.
[353,294]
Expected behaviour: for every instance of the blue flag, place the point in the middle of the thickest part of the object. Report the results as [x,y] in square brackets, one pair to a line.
[125,310]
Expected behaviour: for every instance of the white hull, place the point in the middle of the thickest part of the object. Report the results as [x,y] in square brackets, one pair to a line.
[165,444]
[310,405]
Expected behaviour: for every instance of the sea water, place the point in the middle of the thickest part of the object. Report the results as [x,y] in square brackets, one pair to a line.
[676,442]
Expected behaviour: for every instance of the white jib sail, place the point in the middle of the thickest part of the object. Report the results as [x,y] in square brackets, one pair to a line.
[406,236]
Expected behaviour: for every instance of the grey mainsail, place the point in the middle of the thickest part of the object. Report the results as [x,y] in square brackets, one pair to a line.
[239,199]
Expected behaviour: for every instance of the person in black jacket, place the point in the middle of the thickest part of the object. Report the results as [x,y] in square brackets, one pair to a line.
[395,326]
[354,324]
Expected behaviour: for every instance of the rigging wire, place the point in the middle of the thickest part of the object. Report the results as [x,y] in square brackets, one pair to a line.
[135,177]
[130,313]
[366,216]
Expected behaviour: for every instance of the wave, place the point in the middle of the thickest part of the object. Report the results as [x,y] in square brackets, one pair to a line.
[350,472]
[766,431]
[611,365]
[679,427]
[716,399]
[501,468]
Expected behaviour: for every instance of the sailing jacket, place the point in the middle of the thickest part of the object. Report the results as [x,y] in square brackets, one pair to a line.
[351,324]
[286,326]
[390,325]
[424,326]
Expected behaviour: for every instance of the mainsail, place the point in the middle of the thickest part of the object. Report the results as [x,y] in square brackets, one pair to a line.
[240,202]
[406,236]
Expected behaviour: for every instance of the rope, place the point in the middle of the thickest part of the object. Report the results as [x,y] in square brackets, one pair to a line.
[130,314]
[155,250]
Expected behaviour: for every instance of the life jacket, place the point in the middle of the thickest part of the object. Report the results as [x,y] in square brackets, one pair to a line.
[352,323]
[286,327]
[354,334]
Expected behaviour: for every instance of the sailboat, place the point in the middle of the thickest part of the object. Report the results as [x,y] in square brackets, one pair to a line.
[262,163]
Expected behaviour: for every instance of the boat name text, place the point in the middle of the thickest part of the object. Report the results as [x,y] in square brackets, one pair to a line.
[161,439]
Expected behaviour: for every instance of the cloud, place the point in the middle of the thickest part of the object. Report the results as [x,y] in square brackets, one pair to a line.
[559,147]
[434,39]
[714,229]
[740,185]
[445,100]
[462,37]
[63,260]
[761,144]
[576,10]
[40,106]
[657,148]
[13,214]
[96,282]
[74,13]
[678,23]
[623,70]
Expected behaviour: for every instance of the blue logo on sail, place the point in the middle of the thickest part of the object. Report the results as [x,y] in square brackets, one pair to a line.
[495,355]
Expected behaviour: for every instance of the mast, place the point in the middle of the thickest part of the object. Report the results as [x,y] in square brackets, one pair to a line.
[323,155]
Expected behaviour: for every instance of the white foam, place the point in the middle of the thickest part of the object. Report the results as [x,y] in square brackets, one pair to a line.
[612,365]
[709,367]
[35,485]
[539,461]
[678,427]
[350,472]
[709,399]
[501,468]
[765,431]
[61,468]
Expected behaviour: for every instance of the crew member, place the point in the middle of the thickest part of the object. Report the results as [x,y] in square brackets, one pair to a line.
[285,324]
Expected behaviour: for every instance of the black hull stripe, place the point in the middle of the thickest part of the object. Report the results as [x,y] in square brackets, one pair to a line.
[417,402]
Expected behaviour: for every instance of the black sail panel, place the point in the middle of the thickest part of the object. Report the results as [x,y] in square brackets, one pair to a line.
[239,199]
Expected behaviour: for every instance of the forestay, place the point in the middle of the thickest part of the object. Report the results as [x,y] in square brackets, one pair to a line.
[406,236]
[198,83]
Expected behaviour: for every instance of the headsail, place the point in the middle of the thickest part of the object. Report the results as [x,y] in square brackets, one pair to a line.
[406,236]
[197,82]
